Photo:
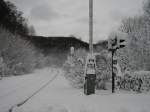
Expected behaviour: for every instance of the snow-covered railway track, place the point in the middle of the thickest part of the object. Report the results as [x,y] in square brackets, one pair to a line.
[36,92]
[17,87]
[15,90]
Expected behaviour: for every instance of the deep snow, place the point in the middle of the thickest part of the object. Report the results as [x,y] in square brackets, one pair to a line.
[59,96]
[14,90]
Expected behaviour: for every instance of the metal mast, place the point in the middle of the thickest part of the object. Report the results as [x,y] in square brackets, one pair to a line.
[91,26]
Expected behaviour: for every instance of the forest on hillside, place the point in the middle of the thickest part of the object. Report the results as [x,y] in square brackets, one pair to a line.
[21,51]
[18,54]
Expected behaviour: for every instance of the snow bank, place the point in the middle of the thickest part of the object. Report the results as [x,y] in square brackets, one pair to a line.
[16,89]
[59,96]
[52,108]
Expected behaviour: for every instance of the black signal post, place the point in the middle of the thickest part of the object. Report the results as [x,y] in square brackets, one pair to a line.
[113,45]
[113,74]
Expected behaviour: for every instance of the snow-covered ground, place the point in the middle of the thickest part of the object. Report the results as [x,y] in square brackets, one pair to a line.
[14,90]
[59,96]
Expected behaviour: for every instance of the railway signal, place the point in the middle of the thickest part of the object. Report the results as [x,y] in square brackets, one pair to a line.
[121,42]
[113,44]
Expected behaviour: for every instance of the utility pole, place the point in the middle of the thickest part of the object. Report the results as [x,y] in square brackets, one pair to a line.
[91,26]
[90,71]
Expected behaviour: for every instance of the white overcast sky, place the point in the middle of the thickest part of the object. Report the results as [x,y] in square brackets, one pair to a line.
[70,17]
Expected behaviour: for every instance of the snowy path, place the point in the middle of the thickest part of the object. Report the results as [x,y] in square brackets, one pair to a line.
[14,90]
[60,97]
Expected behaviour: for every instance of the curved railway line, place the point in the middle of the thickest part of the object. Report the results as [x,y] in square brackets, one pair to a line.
[35,92]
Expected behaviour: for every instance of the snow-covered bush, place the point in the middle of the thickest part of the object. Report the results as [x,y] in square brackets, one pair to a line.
[3,67]
[138,81]
[142,73]
[74,68]
[124,60]
[41,60]
[145,78]
[103,70]
[18,55]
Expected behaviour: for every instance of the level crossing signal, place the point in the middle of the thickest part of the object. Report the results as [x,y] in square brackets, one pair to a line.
[121,42]
[112,43]
[115,43]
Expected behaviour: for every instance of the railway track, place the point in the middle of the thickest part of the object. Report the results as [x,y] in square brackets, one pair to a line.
[35,93]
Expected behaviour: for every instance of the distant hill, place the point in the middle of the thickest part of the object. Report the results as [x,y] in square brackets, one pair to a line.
[56,44]
[62,44]
[59,47]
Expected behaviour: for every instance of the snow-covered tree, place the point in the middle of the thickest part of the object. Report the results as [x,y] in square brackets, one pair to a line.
[18,55]
[138,48]
[74,68]
[103,69]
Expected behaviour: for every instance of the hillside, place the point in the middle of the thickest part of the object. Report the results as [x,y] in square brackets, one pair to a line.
[61,44]
[57,48]
[56,44]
